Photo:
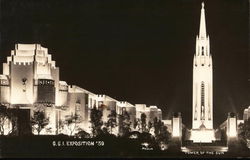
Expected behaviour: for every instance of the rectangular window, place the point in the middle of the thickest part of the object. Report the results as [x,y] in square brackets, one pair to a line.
[202,100]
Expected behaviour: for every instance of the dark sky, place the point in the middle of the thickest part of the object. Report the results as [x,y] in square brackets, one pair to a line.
[137,50]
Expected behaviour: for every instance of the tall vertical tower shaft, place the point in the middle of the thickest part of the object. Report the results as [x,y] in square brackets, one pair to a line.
[202,80]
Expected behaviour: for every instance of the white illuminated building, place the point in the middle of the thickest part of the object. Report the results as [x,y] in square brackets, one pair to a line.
[202,119]
[151,112]
[31,82]
[176,126]
[246,113]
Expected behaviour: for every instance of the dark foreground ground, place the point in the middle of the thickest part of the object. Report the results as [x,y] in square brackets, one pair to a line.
[70,147]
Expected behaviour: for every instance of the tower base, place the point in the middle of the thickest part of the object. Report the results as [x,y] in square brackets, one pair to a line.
[202,135]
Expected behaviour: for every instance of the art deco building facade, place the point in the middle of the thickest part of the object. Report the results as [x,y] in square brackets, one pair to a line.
[31,80]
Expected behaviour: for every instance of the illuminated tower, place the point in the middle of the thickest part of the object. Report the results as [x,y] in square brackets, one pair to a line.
[202,119]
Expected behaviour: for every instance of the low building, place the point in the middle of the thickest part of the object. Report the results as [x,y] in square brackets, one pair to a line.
[140,108]
[151,112]
[177,125]
[106,104]
[246,113]
[124,106]
[168,124]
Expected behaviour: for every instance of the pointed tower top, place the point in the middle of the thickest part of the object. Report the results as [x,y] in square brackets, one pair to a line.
[202,22]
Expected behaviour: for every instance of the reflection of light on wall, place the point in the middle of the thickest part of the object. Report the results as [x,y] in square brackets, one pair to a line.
[61,99]
[168,123]
[204,136]
[7,126]
[51,114]
[21,96]
[246,113]
[232,127]
[86,126]
[176,127]
[151,112]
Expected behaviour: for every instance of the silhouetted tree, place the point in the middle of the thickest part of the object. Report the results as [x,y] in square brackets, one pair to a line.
[39,121]
[164,135]
[13,119]
[124,123]
[96,121]
[137,124]
[161,132]
[72,122]
[244,130]
[82,134]
[105,131]
[4,118]
[60,126]
[157,125]
[184,133]
[150,125]
[112,123]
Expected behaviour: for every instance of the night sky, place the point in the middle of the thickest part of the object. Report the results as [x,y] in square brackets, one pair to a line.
[136,50]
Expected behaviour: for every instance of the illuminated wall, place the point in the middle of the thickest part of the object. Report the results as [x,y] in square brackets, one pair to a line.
[129,108]
[21,81]
[168,124]
[106,104]
[159,114]
[55,77]
[151,112]
[177,126]
[77,104]
[4,90]
[232,125]
[140,108]
[246,113]
[62,94]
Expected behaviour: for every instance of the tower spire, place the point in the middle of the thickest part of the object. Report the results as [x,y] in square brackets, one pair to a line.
[202,22]
[202,125]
